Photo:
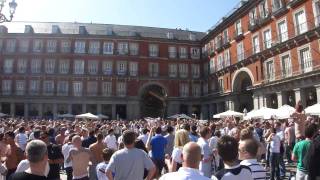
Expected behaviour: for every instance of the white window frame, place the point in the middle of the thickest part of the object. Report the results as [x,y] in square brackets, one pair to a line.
[24,45]
[153,50]
[106,88]
[46,89]
[34,87]
[183,54]
[11,45]
[77,88]
[195,52]
[37,45]
[80,46]
[64,66]
[108,48]
[107,67]
[240,54]
[65,46]
[134,68]
[296,26]
[92,88]
[6,87]
[183,70]
[238,28]
[195,69]
[51,45]
[77,67]
[172,50]
[94,47]
[282,36]
[153,69]
[305,69]
[8,65]
[62,88]
[20,87]
[271,76]
[36,66]
[49,66]
[122,68]
[22,65]
[173,70]
[285,72]
[121,89]
[134,49]
[267,43]
[256,47]
[123,48]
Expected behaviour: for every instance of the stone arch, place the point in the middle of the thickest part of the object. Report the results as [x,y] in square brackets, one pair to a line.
[239,72]
[142,88]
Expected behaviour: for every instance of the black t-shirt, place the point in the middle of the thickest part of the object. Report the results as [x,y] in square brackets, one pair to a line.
[26,176]
[54,153]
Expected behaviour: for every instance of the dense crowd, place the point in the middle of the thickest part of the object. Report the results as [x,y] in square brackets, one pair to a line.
[178,149]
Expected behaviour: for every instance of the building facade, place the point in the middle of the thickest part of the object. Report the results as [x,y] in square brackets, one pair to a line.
[265,53]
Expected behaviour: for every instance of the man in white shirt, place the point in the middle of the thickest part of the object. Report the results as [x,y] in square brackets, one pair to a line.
[248,150]
[191,156]
[205,164]
[144,136]
[65,151]
[111,140]
[21,139]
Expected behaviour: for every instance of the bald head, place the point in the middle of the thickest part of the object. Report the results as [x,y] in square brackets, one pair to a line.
[191,155]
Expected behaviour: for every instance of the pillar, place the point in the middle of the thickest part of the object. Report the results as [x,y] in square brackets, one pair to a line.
[84,108]
[261,101]
[69,108]
[204,111]
[230,105]
[255,102]
[40,109]
[279,98]
[189,110]
[12,109]
[318,93]
[26,110]
[55,110]
[113,109]
[299,95]
[99,109]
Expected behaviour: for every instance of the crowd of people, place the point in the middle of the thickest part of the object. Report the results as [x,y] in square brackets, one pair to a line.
[179,149]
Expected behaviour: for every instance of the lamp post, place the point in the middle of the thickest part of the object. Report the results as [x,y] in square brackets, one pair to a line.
[12,9]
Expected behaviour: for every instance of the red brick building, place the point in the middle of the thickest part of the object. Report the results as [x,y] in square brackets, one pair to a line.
[263,53]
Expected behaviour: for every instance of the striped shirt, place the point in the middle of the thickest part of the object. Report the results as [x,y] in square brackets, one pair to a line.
[21,140]
[257,170]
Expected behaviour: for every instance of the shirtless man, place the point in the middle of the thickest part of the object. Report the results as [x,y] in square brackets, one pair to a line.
[96,150]
[80,158]
[60,138]
[14,156]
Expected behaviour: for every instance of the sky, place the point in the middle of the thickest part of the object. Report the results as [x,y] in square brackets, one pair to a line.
[196,15]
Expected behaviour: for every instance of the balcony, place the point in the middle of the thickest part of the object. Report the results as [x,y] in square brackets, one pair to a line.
[253,26]
[238,36]
[279,11]
[260,22]
[295,3]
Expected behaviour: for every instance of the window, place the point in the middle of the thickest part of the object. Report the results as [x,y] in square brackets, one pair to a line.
[64,66]
[184,90]
[282,31]
[77,88]
[263,8]
[153,69]
[24,45]
[269,70]
[206,68]
[277,4]
[22,66]
[172,52]
[205,88]
[212,66]
[305,59]
[20,87]
[6,87]
[134,49]
[196,90]
[78,67]
[316,12]
[37,45]
[94,47]
[11,45]
[286,66]
[123,48]
[92,88]
[195,70]
[183,53]
[256,44]
[107,88]
[220,63]
[133,68]
[225,37]
[122,67]
[173,70]
[300,22]
[240,51]
[80,47]
[1,45]
[93,67]
[107,67]
[48,87]
[108,48]
[183,70]
[63,88]
[51,46]
[238,27]
[227,60]
[195,53]
[65,46]
[121,89]
[36,66]
[267,39]
[49,66]
[34,87]
[221,88]
[8,66]
[253,17]
[153,50]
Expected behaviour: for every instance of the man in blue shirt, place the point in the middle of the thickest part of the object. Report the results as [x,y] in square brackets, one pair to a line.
[157,145]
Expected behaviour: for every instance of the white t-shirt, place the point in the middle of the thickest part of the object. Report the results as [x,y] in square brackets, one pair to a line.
[257,170]
[23,165]
[275,144]
[185,174]
[66,151]
[176,155]
[235,173]
[111,142]
[144,138]
[22,140]
[101,169]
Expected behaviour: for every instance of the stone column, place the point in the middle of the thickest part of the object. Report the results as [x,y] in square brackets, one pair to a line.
[189,110]
[99,109]
[204,111]
[40,109]
[299,95]
[279,98]
[84,108]
[261,101]
[70,109]
[12,109]
[113,110]
[318,93]
[26,110]
[230,105]
[255,102]
[55,110]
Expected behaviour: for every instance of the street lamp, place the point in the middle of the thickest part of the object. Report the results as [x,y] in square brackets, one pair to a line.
[12,9]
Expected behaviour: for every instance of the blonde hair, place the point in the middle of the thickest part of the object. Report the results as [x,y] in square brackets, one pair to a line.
[181,138]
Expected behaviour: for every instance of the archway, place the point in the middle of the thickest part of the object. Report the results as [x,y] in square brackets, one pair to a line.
[153,101]
[242,80]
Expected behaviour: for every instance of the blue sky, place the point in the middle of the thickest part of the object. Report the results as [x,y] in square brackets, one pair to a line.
[198,15]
